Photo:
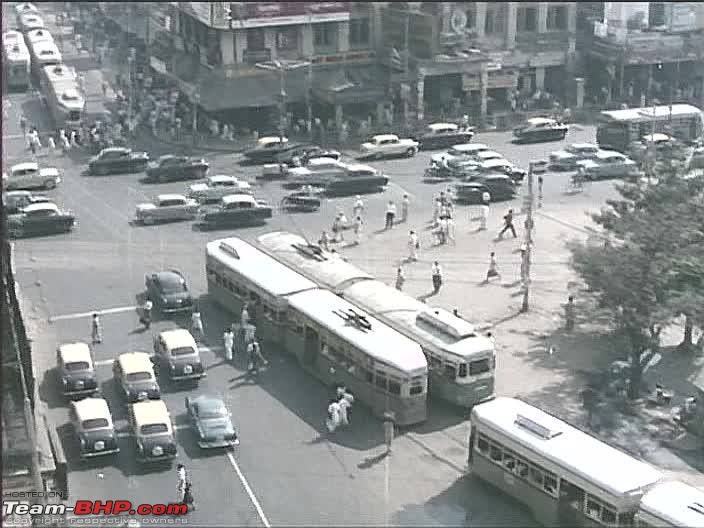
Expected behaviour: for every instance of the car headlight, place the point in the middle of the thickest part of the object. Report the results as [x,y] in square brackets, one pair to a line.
[157,451]
[80,384]
[99,445]
[188,369]
[172,366]
[142,395]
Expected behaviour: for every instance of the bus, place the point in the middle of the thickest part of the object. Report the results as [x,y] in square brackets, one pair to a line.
[16,60]
[63,97]
[617,129]
[44,53]
[461,362]
[330,337]
[671,504]
[565,476]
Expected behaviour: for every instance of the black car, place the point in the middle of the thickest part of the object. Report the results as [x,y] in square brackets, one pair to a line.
[168,291]
[268,149]
[117,160]
[539,129]
[443,135]
[305,153]
[211,422]
[499,187]
[74,365]
[235,210]
[15,201]
[175,168]
[42,218]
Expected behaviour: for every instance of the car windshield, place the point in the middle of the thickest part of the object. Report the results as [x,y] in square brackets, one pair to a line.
[77,366]
[138,376]
[182,351]
[172,283]
[95,423]
[154,429]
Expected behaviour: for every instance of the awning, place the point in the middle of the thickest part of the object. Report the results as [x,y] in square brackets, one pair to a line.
[351,84]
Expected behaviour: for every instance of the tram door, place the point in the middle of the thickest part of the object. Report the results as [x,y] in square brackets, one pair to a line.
[311,346]
[570,503]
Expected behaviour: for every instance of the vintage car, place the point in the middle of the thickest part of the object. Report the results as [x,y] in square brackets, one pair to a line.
[29,21]
[211,422]
[317,172]
[167,208]
[307,200]
[75,370]
[177,356]
[151,424]
[118,160]
[607,164]
[43,218]
[29,176]
[25,8]
[303,153]
[502,166]
[215,187]
[175,168]
[358,179]
[15,201]
[499,186]
[662,146]
[444,135]
[38,35]
[388,145]
[567,159]
[168,290]
[539,129]
[134,374]
[235,210]
[93,427]
[268,149]
[461,151]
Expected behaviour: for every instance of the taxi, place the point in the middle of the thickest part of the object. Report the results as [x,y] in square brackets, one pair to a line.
[94,429]
[134,373]
[177,355]
[151,424]
[74,364]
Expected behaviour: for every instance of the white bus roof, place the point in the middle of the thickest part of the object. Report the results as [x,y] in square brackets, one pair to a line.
[39,35]
[437,327]
[60,72]
[585,457]
[675,503]
[46,51]
[326,268]
[647,113]
[15,47]
[379,341]
[264,271]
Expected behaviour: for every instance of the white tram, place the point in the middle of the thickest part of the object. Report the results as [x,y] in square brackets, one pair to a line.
[671,504]
[565,476]
[44,53]
[461,362]
[16,60]
[330,337]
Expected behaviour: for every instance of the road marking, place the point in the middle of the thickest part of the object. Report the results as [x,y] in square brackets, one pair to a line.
[104,362]
[202,348]
[89,314]
[252,497]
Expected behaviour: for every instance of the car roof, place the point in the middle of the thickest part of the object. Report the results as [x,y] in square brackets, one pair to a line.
[381,137]
[540,120]
[171,156]
[41,206]
[92,408]
[584,145]
[608,153]
[324,161]
[115,149]
[151,411]
[163,197]
[360,167]
[221,178]
[177,338]
[440,126]
[135,362]
[497,162]
[206,401]
[232,198]
[488,153]
[271,139]
[496,176]
[10,194]
[27,165]
[75,352]
[469,147]
[657,137]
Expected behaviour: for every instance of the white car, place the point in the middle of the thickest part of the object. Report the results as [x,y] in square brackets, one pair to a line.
[215,187]
[386,145]
[464,150]
[167,207]
[567,159]
[607,164]
[486,155]
[30,176]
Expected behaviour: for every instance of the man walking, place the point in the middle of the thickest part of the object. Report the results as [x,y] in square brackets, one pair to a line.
[196,325]
[96,329]
[484,210]
[493,269]
[358,231]
[436,273]
[390,215]
[358,208]
[228,338]
[508,225]
[400,278]
[413,246]
[404,208]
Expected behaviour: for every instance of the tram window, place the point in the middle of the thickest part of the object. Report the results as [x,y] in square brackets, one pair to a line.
[450,371]
[627,519]
[282,316]
[462,373]
[416,389]
[483,445]
[366,374]
[593,508]
[394,387]
[509,460]
[550,484]
[608,516]
[479,367]
[522,469]
[495,453]
[381,380]
[536,476]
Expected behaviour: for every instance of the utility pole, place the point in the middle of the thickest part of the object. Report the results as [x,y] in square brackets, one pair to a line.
[196,100]
[534,167]
[402,92]
[282,102]
[130,91]
[309,77]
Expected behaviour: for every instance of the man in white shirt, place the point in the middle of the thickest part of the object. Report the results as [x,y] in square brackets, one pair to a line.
[413,246]
[358,208]
[228,339]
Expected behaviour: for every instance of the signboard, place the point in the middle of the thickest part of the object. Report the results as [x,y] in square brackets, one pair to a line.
[201,11]
[263,14]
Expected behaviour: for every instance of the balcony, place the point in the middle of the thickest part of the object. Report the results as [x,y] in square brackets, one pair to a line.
[254,56]
[647,48]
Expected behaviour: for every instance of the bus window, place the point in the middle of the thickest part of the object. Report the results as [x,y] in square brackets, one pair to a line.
[495,453]
[509,460]
[450,371]
[253,296]
[462,372]
[536,476]
[483,445]
[394,387]
[381,379]
[416,389]
[550,484]
[593,509]
[522,469]
[479,367]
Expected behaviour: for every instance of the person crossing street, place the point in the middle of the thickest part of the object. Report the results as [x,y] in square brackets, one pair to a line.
[96,329]
[436,274]
[508,225]
[228,338]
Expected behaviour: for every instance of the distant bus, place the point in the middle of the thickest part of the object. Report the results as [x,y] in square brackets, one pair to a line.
[565,476]
[61,89]
[15,60]
[617,129]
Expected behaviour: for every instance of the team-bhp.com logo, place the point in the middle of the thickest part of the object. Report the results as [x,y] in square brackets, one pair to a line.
[85,507]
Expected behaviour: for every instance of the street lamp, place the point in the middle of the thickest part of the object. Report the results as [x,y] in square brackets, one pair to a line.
[282,67]
[534,167]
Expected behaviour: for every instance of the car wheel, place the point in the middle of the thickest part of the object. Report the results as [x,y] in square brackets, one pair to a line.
[50,184]
[411,152]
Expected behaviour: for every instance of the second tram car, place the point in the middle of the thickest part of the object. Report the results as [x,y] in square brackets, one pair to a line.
[16,61]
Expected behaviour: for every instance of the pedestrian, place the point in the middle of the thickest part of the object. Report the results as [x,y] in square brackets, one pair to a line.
[65,144]
[589,400]
[440,231]
[570,314]
[413,246]
[349,398]
[228,339]
[456,313]
[196,324]
[74,138]
[23,124]
[256,359]
[540,191]
[405,203]
[336,229]
[400,278]
[324,241]
[52,144]
[96,329]
[333,419]
[344,409]
[436,274]
[484,219]
[450,228]
[32,145]
[358,230]
[437,207]
[493,270]
[188,499]
[244,315]
[390,214]
[388,430]
[358,208]
[508,225]
[181,481]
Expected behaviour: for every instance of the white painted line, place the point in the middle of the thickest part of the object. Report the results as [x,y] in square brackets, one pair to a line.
[104,362]
[252,497]
[89,314]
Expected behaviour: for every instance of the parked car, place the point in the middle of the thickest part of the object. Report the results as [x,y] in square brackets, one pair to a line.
[502,166]
[567,158]
[499,186]
[268,149]
[151,424]
[317,172]
[539,129]
[167,208]
[93,428]
[168,290]
[215,187]
[134,374]
[664,146]
[235,210]
[15,201]
[461,151]
[337,178]
[211,422]
[75,369]
[29,21]
[388,145]
[304,153]
[118,160]
[43,218]
[444,135]
[177,356]
[30,176]
[174,168]
[607,164]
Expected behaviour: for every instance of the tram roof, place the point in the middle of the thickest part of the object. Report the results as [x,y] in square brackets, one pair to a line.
[437,326]
[676,503]
[266,272]
[558,442]
[650,112]
[380,341]
[327,268]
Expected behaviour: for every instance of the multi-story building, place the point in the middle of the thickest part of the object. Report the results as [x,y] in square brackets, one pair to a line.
[640,52]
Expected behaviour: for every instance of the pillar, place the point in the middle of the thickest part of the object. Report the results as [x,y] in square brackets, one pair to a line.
[483,88]
[542,17]
[240,37]
[480,18]
[227,47]
[270,41]
[420,98]
[380,107]
[339,116]
[343,37]
[307,46]
[510,33]
[540,79]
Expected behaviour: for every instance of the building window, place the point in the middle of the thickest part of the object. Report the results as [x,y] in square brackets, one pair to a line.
[557,18]
[359,32]
[495,15]
[287,38]
[324,34]
[526,19]
[255,39]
